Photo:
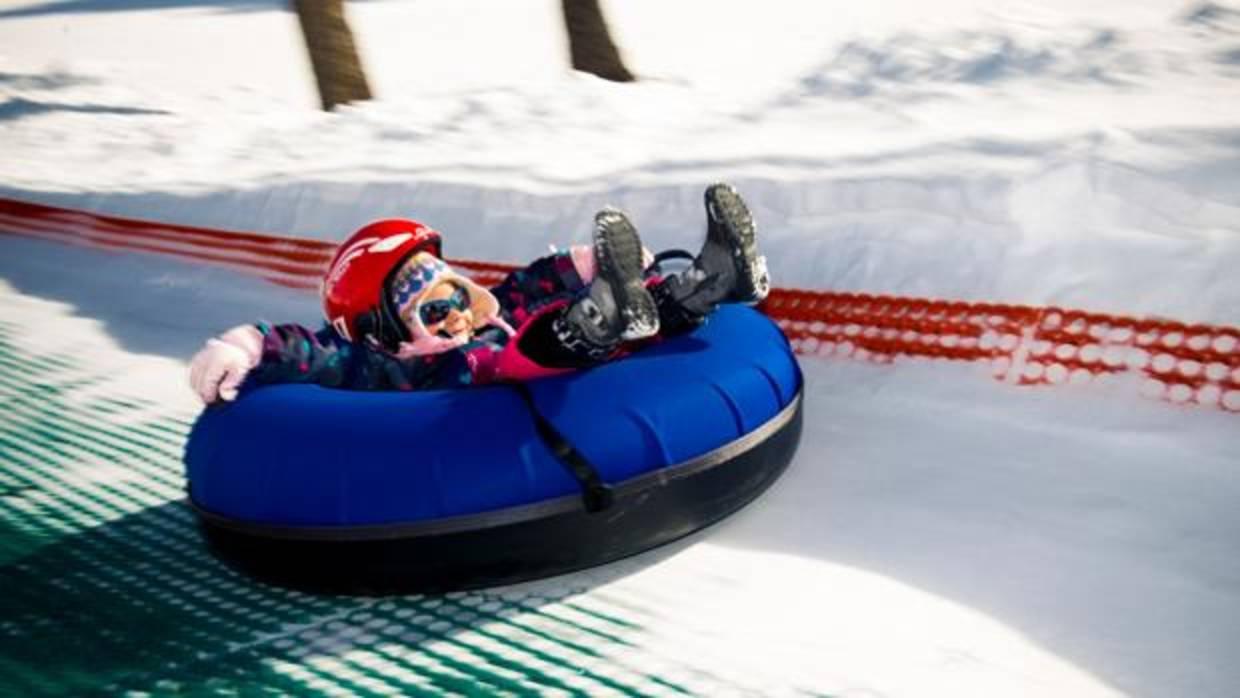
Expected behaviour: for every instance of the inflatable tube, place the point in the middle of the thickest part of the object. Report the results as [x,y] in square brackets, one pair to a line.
[326,489]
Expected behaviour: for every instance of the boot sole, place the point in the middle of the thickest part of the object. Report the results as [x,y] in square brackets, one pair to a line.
[729,208]
[619,253]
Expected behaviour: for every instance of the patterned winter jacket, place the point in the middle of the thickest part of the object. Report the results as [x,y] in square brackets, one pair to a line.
[296,354]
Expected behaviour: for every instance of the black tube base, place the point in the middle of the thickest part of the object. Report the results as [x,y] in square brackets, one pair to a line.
[506,554]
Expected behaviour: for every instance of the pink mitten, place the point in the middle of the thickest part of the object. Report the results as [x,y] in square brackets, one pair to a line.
[247,338]
[583,261]
[218,369]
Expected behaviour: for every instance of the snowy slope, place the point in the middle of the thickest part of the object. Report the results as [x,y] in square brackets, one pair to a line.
[912,148]
[938,534]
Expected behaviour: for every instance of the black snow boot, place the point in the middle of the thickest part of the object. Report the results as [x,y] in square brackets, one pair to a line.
[617,307]
[728,269]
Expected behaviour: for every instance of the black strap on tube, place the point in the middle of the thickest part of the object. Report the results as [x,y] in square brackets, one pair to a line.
[656,267]
[595,494]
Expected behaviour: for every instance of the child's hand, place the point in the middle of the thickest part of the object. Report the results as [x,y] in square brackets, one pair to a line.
[218,369]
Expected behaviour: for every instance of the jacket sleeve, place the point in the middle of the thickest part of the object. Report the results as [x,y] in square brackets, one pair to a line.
[295,354]
[528,290]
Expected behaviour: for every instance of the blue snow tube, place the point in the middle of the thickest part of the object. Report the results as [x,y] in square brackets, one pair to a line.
[436,490]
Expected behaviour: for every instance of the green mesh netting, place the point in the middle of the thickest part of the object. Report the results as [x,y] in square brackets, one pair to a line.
[107,589]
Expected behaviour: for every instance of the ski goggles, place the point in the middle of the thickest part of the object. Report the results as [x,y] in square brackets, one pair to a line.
[432,312]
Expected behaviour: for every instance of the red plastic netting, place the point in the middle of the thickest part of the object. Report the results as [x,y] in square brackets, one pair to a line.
[1023,345]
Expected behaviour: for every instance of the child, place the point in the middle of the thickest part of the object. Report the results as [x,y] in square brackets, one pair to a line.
[400,318]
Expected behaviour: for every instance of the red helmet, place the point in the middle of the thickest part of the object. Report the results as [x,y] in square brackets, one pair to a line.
[353,289]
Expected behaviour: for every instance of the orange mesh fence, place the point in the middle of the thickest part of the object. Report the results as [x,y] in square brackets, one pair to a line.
[1023,345]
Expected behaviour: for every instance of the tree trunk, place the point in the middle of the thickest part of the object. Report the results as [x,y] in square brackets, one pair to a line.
[333,55]
[589,41]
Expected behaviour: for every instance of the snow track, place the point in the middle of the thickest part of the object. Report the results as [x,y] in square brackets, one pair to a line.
[1081,511]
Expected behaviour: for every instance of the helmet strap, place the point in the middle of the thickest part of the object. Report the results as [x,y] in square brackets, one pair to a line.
[391,330]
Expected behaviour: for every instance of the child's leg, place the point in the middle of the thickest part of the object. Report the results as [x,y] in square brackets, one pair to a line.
[537,352]
[614,308]
[728,269]
[674,318]
[620,306]
[617,306]
[549,341]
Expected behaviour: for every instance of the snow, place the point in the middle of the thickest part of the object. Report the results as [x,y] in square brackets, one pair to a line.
[939,533]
